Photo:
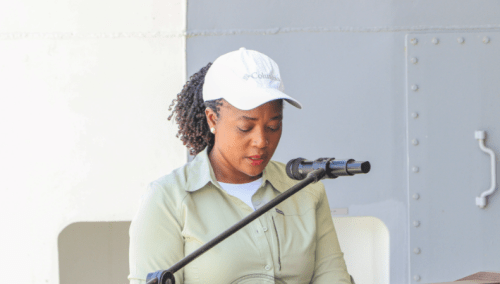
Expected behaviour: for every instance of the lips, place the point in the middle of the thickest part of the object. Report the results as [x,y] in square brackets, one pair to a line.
[255,157]
[256,160]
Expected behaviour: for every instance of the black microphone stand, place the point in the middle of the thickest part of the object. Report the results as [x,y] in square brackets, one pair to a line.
[167,276]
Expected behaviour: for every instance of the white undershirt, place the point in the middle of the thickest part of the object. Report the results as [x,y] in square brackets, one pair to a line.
[243,191]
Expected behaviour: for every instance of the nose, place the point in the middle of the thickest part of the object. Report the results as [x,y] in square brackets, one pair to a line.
[259,138]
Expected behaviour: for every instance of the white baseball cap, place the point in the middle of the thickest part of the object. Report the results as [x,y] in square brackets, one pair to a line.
[246,79]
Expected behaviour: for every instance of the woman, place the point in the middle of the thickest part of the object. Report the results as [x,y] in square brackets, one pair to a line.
[230,116]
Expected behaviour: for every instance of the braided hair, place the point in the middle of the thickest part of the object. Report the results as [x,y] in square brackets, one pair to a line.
[194,131]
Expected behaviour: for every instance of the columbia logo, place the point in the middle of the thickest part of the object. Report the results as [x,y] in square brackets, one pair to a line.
[255,75]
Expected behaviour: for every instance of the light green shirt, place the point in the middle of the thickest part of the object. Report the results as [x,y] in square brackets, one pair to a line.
[295,242]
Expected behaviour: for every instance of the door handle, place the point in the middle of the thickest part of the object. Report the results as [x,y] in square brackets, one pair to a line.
[481,200]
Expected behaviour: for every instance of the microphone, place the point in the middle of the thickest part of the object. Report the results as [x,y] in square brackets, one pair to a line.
[299,168]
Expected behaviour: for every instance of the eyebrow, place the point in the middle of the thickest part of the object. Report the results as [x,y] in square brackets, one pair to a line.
[279,116]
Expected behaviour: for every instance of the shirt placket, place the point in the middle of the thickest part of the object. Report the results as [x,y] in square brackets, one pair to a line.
[265,233]
[261,230]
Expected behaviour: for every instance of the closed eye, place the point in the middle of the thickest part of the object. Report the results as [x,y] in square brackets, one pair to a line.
[272,129]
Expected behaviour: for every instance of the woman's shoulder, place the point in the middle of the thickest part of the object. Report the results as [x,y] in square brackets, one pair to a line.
[171,185]
[177,176]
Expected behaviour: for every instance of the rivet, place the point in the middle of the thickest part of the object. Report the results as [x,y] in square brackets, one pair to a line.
[414,142]
[416,277]
[416,250]
[435,40]
[415,169]
[414,87]
[416,223]
[414,60]
[414,114]
[414,41]
[416,196]
[460,40]
[486,39]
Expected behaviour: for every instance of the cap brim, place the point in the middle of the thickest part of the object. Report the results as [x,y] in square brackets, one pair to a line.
[251,98]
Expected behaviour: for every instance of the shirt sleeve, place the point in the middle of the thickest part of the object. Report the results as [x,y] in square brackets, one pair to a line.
[156,242]
[330,266]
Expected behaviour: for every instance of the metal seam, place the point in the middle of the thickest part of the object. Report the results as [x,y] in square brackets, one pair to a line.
[73,35]
[273,31]
[226,32]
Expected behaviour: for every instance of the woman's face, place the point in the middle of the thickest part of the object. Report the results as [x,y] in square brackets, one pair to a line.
[242,134]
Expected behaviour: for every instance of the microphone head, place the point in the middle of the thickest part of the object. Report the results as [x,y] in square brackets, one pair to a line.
[292,169]
[365,167]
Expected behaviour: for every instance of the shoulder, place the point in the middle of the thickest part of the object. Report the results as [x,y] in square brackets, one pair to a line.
[170,187]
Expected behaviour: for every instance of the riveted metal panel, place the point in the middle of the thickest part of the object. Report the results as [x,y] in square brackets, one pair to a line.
[453,89]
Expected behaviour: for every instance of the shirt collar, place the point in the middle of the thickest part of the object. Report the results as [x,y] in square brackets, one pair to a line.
[201,173]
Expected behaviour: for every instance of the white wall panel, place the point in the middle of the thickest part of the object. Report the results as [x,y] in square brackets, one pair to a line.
[94,16]
[83,118]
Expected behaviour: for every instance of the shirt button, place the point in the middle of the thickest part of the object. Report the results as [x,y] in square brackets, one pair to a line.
[268,267]
[265,229]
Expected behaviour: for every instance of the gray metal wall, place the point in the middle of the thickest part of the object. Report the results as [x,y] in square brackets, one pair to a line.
[346,62]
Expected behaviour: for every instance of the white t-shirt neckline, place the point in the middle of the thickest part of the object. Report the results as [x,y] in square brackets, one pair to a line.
[244,191]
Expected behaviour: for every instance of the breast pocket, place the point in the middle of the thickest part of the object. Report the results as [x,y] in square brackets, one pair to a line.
[295,243]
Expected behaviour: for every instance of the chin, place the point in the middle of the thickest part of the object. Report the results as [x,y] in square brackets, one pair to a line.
[256,170]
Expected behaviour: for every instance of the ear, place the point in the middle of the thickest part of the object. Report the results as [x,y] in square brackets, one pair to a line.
[211,117]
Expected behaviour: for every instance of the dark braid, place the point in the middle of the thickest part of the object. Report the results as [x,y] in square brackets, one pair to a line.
[194,131]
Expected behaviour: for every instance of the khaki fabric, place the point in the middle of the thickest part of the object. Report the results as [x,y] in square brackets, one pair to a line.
[295,242]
